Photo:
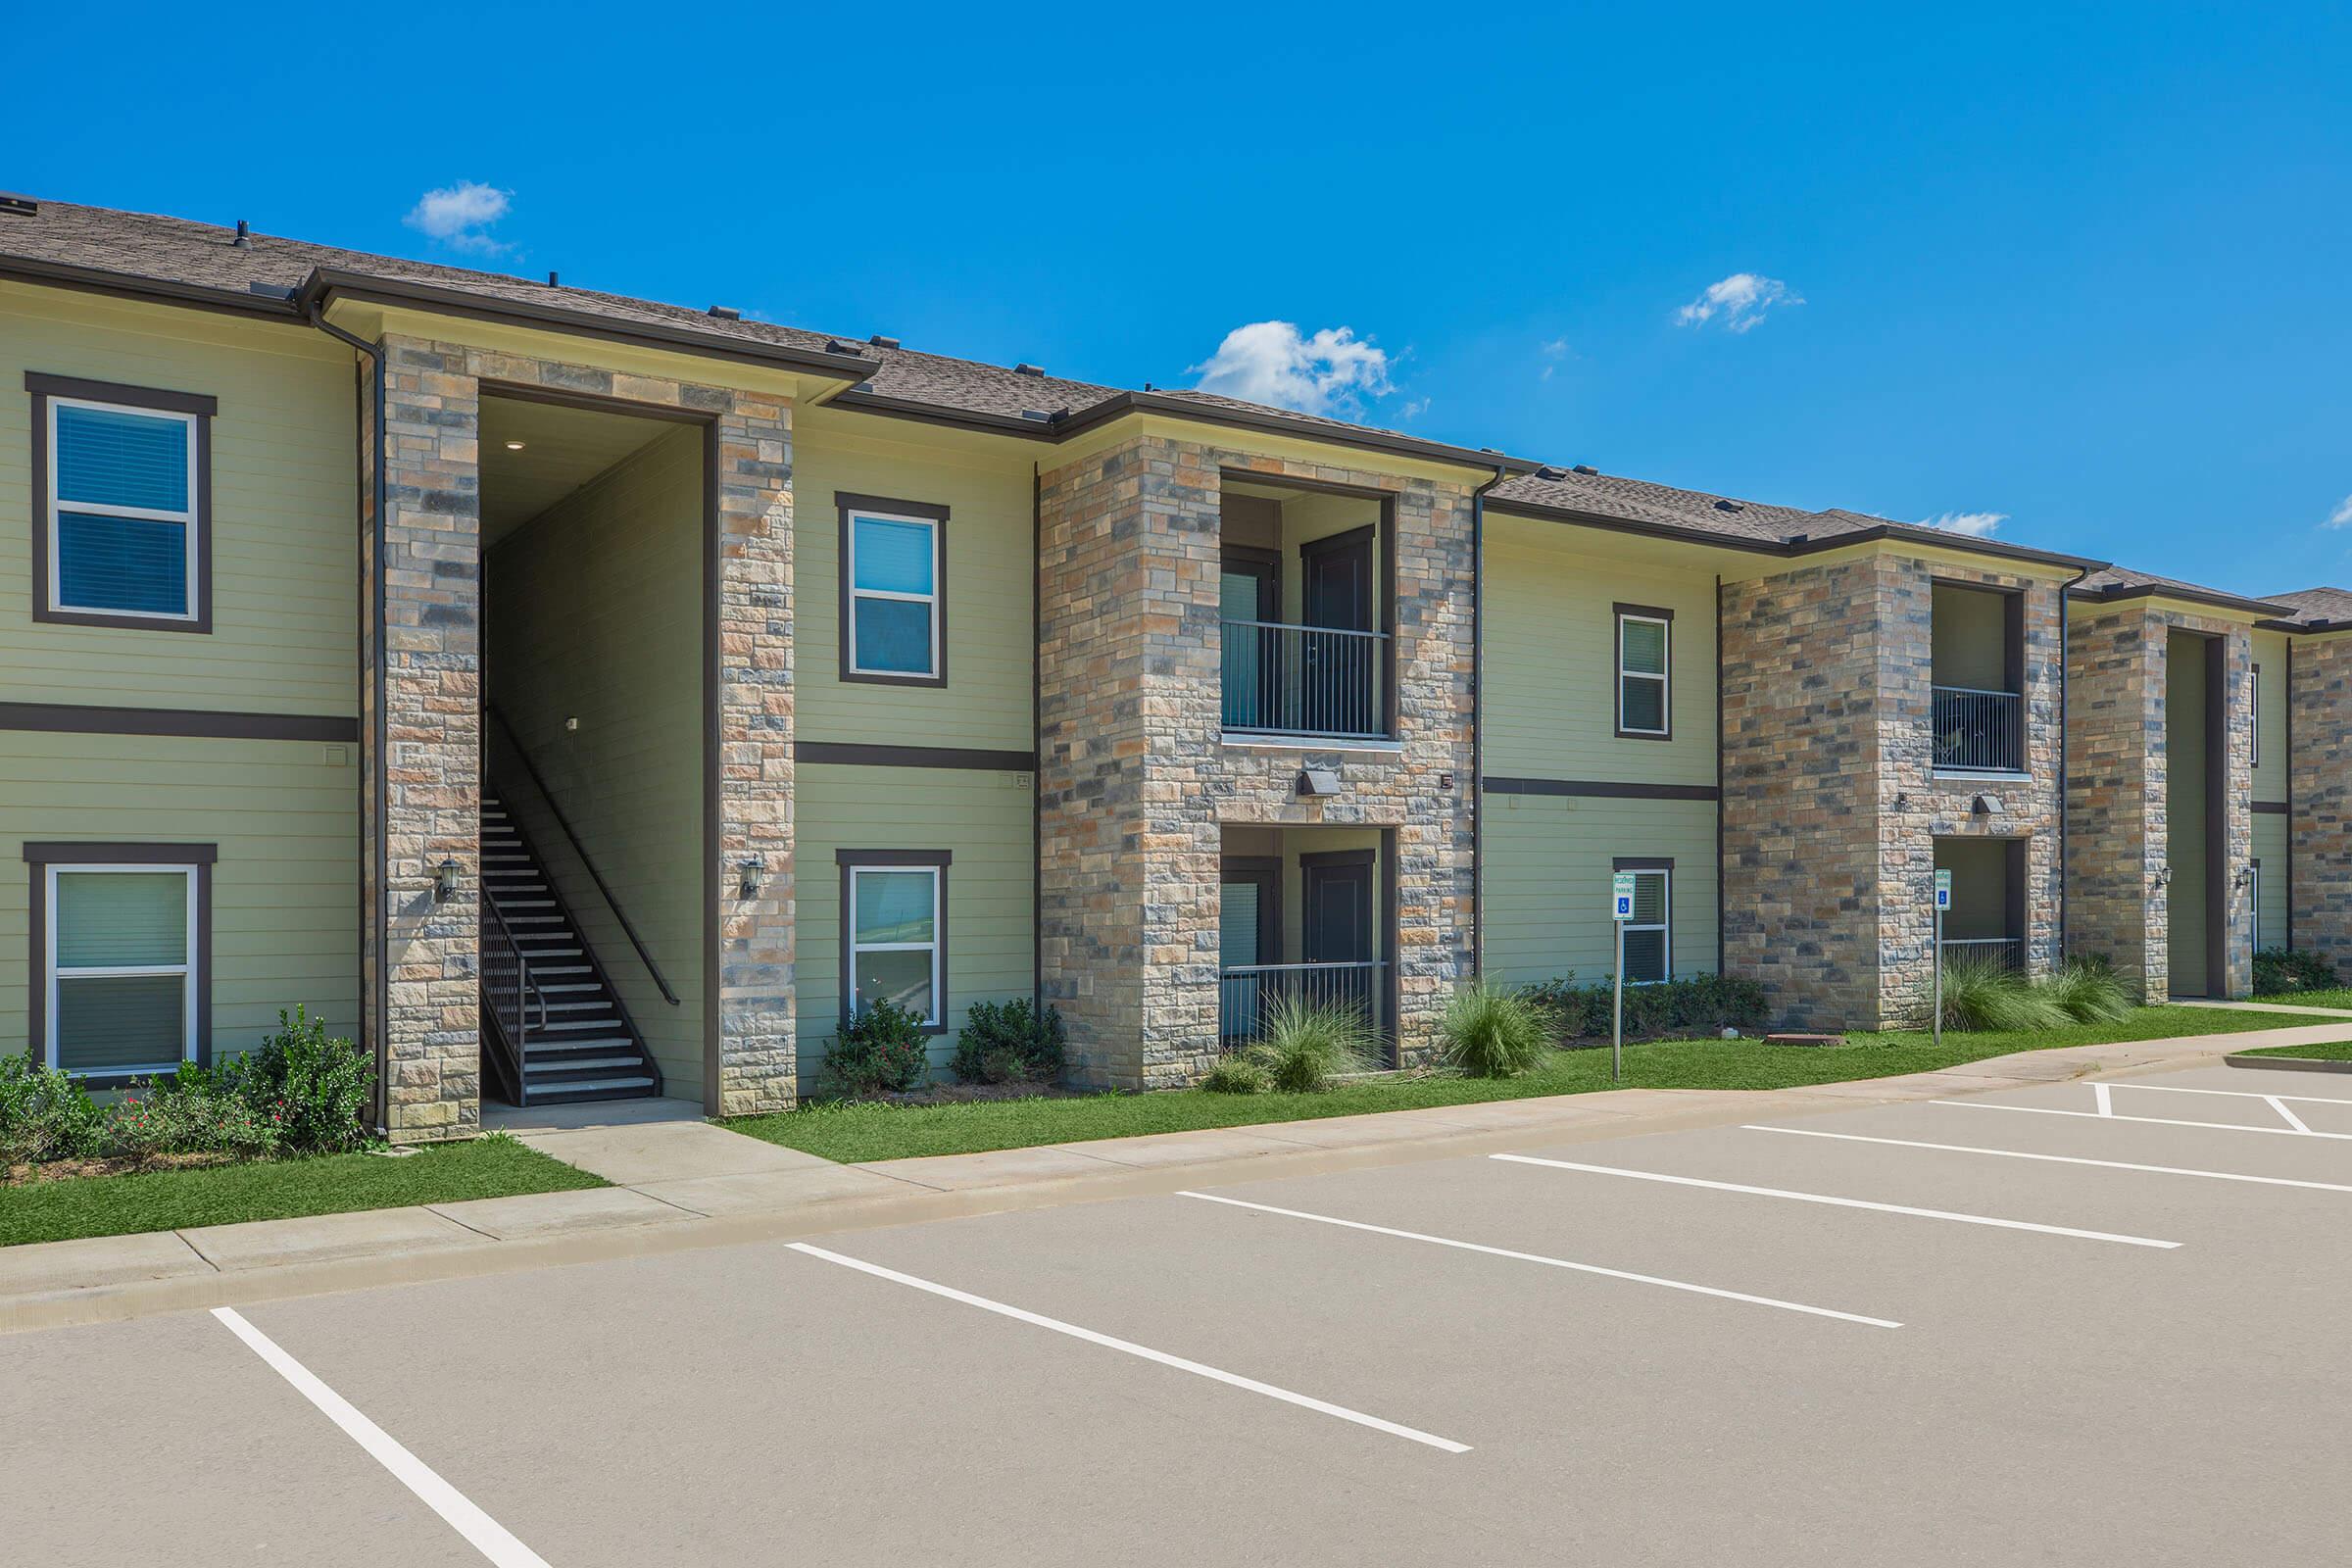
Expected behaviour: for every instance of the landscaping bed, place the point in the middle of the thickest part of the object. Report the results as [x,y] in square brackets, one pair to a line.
[860,1132]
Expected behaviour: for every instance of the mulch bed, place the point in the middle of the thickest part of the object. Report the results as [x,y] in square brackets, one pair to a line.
[57,1170]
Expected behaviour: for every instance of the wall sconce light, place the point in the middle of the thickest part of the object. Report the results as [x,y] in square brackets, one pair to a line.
[1314,781]
[1902,802]
[444,881]
[2164,877]
[1988,806]
[746,875]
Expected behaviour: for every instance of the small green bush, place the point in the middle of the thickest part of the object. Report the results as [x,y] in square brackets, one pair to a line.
[2087,992]
[881,1050]
[45,1114]
[2278,972]
[1492,1032]
[313,1089]
[1235,1074]
[1983,995]
[1301,1045]
[1008,1043]
[168,1117]
[1697,1005]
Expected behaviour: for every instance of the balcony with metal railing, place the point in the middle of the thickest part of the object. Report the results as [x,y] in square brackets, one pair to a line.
[1978,731]
[1306,680]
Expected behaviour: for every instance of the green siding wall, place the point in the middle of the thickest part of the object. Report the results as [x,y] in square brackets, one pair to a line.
[286,890]
[985,820]
[596,614]
[991,581]
[2270,847]
[285,562]
[2185,813]
[1547,861]
[2270,714]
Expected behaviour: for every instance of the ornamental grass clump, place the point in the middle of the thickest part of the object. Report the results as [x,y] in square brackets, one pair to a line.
[1304,1044]
[1492,1032]
[2087,992]
[1983,995]
[1235,1074]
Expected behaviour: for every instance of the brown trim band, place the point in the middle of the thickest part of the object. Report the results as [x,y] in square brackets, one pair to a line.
[2270,807]
[852,754]
[1603,789]
[850,860]
[1642,862]
[187,723]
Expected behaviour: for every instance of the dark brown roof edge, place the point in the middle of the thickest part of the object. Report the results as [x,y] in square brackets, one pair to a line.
[1944,538]
[2303,627]
[1786,548]
[161,291]
[1273,422]
[2183,592]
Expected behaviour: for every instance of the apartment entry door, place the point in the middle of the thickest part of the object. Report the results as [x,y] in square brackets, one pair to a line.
[1336,924]
[1335,592]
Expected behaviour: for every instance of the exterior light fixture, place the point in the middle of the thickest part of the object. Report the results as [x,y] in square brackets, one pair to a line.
[1314,781]
[1988,806]
[444,881]
[746,875]
[513,446]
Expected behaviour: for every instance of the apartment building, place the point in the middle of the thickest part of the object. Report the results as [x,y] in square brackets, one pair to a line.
[581,696]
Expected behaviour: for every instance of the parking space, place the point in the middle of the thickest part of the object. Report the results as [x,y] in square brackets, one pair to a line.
[2039,1325]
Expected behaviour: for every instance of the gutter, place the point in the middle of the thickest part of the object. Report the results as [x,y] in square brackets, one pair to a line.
[1478,718]
[1791,548]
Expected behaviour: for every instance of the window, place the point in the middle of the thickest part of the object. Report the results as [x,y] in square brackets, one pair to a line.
[1649,941]
[122,529]
[894,622]
[1643,671]
[894,931]
[121,932]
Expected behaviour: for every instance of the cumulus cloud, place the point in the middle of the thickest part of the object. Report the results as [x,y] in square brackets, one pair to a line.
[1974,524]
[1272,362]
[459,216]
[2341,516]
[1740,299]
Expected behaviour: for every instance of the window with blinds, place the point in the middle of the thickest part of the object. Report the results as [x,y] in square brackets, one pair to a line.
[122,960]
[893,595]
[1641,675]
[894,938]
[123,501]
[1648,944]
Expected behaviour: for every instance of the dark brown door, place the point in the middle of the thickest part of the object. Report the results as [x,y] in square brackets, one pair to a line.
[1335,927]
[1341,674]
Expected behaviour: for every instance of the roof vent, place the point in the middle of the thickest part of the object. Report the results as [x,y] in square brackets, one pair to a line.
[1548,472]
[1039,415]
[1729,506]
[837,346]
[244,239]
[273,291]
[16,206]
[1028,370]
[724,312]
[881,342]
[554,280]
[1586,467]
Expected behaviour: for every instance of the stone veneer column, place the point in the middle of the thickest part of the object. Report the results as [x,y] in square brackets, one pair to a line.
[2319,783]
[2115,790]
[1136,785]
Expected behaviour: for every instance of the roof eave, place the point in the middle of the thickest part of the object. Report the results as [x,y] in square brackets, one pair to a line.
[2187,595]
[1642,527]
[130,285]
[1272,421]
[1942,539]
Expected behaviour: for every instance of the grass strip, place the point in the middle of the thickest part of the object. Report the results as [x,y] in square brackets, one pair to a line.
[2333,1051]
[2341,997]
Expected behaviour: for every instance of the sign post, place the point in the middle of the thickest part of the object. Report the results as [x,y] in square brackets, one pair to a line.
[1944,902]
[1621,910]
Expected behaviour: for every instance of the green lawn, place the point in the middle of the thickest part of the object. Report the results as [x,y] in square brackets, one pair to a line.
[2341,997]
[868,1132]
[332,1183]
[2333,1051]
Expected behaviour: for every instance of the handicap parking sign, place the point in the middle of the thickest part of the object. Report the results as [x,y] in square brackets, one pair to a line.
[1943,890]
[1621,895]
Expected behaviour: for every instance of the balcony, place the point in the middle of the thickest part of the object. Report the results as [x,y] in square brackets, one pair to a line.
[1306,680]
[1978,719]
[1978,731]
[1305,916]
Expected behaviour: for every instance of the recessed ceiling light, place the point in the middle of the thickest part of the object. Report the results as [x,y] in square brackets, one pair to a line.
[513,446]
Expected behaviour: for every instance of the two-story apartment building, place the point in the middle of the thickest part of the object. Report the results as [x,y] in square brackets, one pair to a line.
[581,696]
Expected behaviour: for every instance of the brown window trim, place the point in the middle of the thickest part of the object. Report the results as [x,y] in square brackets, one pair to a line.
[1618,615]
[38,858]
[1655,862]
[43,387]
[870,860]
[846,502]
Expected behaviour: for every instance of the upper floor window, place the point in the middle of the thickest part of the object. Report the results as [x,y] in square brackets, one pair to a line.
[119,937]
[123,476]
[1644,674]
[893,591]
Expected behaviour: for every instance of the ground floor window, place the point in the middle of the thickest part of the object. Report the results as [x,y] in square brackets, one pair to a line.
[121,934]
[894,942]
[1648,935]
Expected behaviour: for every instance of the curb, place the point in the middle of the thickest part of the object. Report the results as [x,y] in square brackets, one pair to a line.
[2288,1063]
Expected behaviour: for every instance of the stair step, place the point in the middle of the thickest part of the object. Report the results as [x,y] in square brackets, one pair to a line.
[597,1004]
[589,985]
[543,1046]
[580,1023]
[548,1093]
[536,1070]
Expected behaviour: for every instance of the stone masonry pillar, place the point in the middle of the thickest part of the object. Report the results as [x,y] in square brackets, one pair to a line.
[2319,783]
[2115,797]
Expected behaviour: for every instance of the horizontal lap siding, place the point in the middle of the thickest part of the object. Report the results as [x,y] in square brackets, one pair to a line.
[2270,847]
[285,891]
[285,558]
[1547,867]
[2270,759]
[985,820]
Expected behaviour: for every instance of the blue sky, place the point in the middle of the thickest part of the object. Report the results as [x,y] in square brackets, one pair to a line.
[2089,271]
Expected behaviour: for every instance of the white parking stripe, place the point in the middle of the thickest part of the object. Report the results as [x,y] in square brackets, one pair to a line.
[2056,1160]
[2156,1121]
[1845,1202]
[2278,1104]
[1129,1348]
[1553,1263]
[487,1536]
[2103,1094]
[2235,1093]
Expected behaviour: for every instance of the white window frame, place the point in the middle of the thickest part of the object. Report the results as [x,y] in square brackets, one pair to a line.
[53,917]
[930,671]
[1664,926]
[57,504]
[935,947]
[1664,679]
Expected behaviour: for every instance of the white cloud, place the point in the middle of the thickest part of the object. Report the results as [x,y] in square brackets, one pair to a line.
[1272,362]
[461,215]
[2341,516]
[1416,408]
[1974,524]
[1740,299]
[1555,351]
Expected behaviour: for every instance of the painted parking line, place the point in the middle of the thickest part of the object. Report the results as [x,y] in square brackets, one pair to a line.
[1846,1202]
[2056,1160]
[2152,1121]
[486,1535]
[1129,1348]
[2230,1093]
[1554,1262]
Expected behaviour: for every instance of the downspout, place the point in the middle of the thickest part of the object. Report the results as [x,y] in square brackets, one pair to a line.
[1478,720]
[372,669]
[2063,644]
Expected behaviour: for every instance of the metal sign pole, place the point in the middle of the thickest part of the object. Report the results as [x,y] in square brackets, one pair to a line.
[1617,1011]
[1938,976]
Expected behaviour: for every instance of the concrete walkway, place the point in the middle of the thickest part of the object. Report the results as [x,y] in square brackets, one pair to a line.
[683,1184]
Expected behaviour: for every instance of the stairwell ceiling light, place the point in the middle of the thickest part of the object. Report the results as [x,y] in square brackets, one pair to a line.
[513,446]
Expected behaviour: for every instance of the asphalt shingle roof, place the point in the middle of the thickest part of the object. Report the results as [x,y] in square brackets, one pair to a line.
[2316,607]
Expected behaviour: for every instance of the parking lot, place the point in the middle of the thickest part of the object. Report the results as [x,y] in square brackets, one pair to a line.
[2085,1322]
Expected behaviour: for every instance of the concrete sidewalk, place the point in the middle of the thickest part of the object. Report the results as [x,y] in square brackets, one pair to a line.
[683,1184]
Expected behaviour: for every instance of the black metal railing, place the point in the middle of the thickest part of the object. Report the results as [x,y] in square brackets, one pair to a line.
[1246,993]
[1306,680]
[511,993]
[1980,731]
[2007,952]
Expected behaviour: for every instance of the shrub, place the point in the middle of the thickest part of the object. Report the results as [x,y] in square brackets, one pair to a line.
[312,1088]
[1700,1003]
[1235,1074]
[2280,970]
[1008,1043]
[1303,1043]
[164,1116]
[45,1114]
[880,1050]
[2087,992]
[1983,994]
[1492,1032]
